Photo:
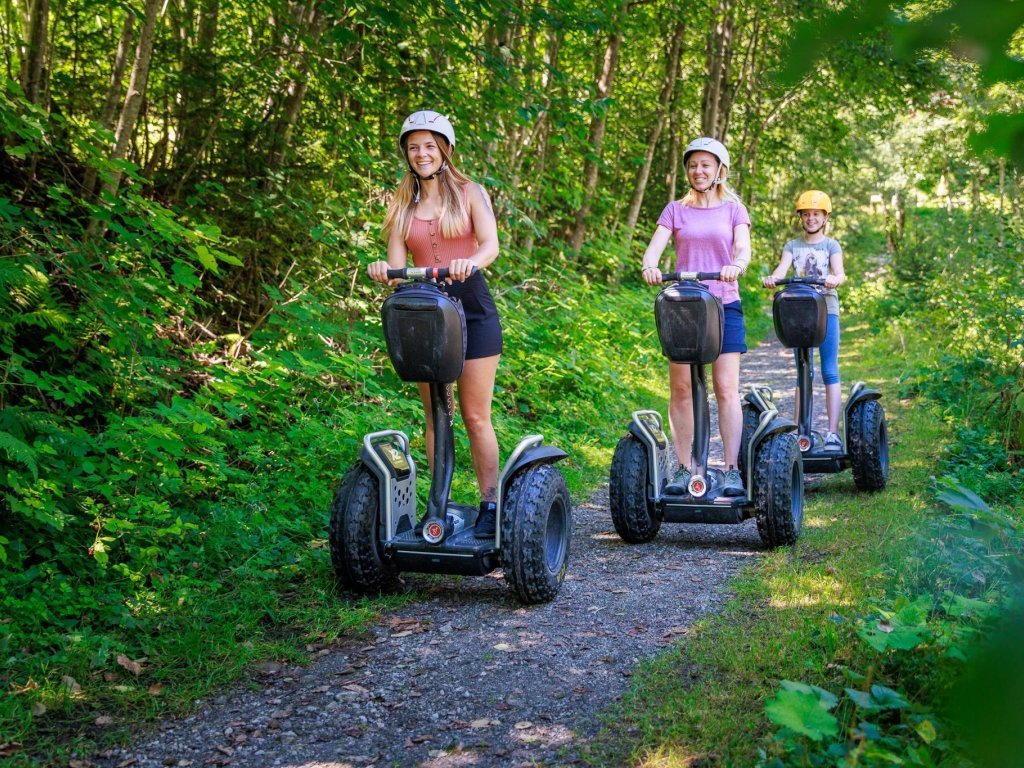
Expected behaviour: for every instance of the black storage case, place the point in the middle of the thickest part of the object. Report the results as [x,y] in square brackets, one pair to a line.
[800,315]
[425,331]
[690,323]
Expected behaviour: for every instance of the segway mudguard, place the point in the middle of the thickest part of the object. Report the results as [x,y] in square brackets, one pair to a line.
[386,455]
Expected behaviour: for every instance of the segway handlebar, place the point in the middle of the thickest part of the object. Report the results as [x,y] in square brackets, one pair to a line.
[677,276]
[422,273]
[799,281]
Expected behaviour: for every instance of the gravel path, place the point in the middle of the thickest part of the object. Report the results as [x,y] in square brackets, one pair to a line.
[468,677]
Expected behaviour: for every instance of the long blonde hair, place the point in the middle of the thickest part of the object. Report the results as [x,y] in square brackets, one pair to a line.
[451,183]
[722,192]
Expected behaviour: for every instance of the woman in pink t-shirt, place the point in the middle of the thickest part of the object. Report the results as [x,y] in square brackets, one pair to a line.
[442,219]
[711,229]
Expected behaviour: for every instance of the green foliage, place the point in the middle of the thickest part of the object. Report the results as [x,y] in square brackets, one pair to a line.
[926,642]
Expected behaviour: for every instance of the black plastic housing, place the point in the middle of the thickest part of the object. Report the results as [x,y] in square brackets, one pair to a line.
[800,316]
[425,332]
[690,323]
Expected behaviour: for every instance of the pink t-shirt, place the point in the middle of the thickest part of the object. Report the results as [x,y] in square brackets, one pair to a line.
[704,239]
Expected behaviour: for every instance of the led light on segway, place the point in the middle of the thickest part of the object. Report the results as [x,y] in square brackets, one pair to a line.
[697,486]
[804,442]
[433,532]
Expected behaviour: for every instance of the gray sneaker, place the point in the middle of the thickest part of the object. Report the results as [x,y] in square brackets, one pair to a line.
[732,485]
[832,442]
[677,486]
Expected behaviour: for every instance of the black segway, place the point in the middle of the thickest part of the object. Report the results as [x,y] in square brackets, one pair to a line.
[800,317]
[690,326]
[374,534]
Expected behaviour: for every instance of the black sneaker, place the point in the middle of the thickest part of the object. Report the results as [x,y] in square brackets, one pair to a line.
[732,484]
[487,521]
[678,485]
[832,442]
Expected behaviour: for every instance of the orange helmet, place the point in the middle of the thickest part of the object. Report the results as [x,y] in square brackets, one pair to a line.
[814,199]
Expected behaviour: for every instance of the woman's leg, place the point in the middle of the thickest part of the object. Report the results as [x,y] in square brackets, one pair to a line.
[680,414]
[829,353]
[725,375]
[476,390]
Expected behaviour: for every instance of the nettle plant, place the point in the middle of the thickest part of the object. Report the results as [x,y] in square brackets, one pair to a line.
[958,585]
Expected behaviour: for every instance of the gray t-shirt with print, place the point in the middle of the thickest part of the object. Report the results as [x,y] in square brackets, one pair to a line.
[814,260]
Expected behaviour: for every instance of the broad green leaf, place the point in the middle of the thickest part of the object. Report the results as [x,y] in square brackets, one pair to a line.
[802,713]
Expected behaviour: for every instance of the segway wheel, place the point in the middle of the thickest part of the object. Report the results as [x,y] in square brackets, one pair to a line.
[751,418]
[354,534]
[635,518]
[869,446]
[536,526]
[779,490]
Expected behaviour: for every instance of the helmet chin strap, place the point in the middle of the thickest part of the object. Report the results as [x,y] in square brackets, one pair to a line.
[418,178]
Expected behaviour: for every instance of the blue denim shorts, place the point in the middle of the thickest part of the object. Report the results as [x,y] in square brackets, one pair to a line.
[735,337]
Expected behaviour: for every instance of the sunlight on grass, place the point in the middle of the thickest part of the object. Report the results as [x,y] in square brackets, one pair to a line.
[671,758]
[792,590]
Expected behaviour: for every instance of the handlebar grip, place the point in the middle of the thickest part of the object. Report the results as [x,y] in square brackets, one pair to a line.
[674,276]
[423,273]
[799,281]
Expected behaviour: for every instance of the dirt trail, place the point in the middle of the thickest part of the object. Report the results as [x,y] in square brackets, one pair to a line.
[468,676]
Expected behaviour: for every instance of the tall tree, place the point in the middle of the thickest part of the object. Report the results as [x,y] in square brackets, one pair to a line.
[654,132]
[607,64]
[33,64]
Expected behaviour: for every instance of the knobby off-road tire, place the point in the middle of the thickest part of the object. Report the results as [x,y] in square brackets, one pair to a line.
[751,419]
[869,446]
[634,517]
[779,490]
[536,528]
[354,534]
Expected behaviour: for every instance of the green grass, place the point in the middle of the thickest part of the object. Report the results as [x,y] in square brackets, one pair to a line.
[703,702]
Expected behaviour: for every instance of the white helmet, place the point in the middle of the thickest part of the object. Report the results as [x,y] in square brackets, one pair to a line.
[706,144]
[428,120]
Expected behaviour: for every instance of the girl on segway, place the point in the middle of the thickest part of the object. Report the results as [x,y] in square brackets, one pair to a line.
[711,228]
[815,255]
[444,219]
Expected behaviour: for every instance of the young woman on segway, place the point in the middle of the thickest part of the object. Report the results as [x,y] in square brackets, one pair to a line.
[815,255]
[711,228]
[444,219]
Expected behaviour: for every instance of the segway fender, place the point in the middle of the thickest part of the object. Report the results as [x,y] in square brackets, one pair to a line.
[386,455]
[771,424]
[646,427]
[858,393]
[530,452]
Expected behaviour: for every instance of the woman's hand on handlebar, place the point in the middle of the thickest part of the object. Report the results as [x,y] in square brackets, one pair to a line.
[378,271]
[768,281]
[460,270]
[730,273]
[651,275]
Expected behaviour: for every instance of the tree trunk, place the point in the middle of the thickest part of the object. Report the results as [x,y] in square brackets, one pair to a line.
[544,151]
[136,91]
[717,97]
[199,91]
[654,134]
[609,63]
[312,20]
[113,92]
[33,63]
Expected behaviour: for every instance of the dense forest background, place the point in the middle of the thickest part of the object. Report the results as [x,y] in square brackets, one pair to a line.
[190,191]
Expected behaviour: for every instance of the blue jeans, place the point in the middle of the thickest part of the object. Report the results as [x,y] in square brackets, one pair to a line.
[828,352]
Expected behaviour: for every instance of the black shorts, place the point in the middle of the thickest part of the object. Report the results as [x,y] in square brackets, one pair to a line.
[483,329]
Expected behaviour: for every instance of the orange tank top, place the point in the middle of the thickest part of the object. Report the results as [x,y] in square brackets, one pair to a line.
[430,248]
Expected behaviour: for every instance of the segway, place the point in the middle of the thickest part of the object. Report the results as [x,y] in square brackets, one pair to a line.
[374,534]
[690,321]
[800,317]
